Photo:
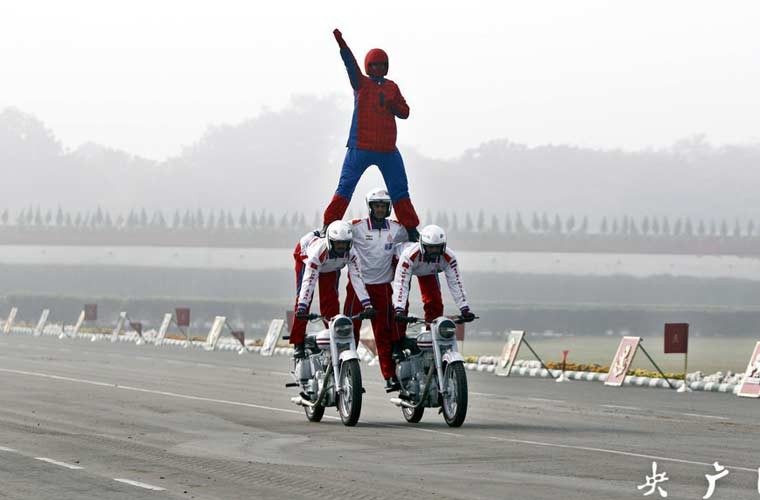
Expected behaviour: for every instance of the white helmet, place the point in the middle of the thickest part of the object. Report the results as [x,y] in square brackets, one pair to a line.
[339,231]
[378,194]
[432,235]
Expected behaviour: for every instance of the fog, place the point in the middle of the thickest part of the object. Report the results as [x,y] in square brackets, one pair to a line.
[585,113]
[289,161]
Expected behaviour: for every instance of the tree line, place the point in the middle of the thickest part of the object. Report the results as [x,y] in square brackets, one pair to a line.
[514,223]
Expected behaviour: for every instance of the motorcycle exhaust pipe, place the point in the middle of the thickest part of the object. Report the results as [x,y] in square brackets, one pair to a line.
[301,401]
[400,402]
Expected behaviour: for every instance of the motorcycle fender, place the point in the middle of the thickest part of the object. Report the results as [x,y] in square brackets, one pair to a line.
[346,355]
[452,357]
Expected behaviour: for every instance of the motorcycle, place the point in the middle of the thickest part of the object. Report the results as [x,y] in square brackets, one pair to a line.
[431,373]
[329,375]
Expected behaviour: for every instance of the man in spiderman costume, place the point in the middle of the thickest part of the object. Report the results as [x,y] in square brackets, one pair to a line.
[372,139]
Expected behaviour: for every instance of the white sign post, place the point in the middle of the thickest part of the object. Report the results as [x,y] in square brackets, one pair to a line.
[10,320]
[162,330]
[41,323]
[213,335]
[119,326]
[509,353]
[750,387]
[273,335]
[78,325]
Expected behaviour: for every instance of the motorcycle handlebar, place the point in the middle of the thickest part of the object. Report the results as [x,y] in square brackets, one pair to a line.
[319,317]
[458,319]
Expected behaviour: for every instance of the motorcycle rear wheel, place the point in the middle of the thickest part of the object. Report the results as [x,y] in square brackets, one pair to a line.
[314,413]
[413,415]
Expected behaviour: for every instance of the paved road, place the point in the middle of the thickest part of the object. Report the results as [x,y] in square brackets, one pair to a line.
[82,420]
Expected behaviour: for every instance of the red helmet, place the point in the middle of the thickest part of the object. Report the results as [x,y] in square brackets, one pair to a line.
[375,56]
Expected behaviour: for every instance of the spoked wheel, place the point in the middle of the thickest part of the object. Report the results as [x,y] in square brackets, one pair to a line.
[314,413]
[413,415]
[455,398]
[350,397]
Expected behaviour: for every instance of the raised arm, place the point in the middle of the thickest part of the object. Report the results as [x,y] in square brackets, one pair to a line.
[354,73]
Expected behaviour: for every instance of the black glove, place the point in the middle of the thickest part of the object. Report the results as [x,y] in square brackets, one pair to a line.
[400,317]
[467,315]
[302,313]
[369,312]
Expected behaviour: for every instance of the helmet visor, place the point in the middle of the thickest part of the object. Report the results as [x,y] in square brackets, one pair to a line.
[433,250]
[340,247]
[379,209]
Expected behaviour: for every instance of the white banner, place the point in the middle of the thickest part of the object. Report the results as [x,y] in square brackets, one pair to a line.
[213,335]
[11,319]
[41,323]
[119,326]
[273,335]
[162,330]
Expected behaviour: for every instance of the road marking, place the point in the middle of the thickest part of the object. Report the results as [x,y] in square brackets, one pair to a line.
[56,462]
[620,407]
[547,400]
[140,485]
[704,416]
[615,452]
[10,450]
[486,394]
[148,391]
[414,429]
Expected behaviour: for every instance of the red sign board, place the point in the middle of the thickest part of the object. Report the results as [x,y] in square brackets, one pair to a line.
[676,338]
[239,335]
[182,314]
[90,312]
[460,331]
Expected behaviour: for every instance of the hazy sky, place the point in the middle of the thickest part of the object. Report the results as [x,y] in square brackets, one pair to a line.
[149,76]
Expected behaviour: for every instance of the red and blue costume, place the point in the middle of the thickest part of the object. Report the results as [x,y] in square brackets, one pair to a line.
[372,139]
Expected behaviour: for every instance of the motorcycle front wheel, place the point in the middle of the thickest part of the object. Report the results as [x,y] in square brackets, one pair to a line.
[455,398]
[350,397]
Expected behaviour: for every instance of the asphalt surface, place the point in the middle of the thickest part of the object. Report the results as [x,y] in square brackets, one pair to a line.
[96,420]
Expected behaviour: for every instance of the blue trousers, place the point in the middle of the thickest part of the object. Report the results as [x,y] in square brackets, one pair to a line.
[391,166]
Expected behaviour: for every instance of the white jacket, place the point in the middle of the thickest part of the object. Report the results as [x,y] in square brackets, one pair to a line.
[318,259]
[375,248]
[410,263]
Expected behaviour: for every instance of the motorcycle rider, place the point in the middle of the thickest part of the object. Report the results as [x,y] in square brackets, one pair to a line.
[320,260]
[372,138]
[375,238]
[425,260]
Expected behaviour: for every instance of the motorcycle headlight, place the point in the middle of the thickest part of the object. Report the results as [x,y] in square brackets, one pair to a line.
[343,327]
[447,329]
